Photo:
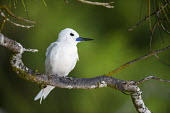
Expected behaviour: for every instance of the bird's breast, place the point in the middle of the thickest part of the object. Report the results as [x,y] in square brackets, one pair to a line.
[64,60]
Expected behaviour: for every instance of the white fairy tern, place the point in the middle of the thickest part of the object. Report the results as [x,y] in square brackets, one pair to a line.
[61,57]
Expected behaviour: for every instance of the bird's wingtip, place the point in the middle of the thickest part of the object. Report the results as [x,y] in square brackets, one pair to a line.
[39,95]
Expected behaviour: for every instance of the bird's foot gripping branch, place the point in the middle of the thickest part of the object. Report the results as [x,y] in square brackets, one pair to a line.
[22,71]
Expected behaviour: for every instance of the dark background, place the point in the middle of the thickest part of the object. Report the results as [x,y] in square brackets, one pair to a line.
[113,46]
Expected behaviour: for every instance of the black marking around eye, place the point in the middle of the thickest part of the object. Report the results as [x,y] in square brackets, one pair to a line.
[71,34]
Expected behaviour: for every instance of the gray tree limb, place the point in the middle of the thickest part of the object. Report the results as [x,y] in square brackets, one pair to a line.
[26,73]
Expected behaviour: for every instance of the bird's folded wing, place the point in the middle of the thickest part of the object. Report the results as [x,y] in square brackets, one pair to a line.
[49,54]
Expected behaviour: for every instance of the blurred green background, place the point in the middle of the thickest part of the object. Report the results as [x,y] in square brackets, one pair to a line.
[112,47]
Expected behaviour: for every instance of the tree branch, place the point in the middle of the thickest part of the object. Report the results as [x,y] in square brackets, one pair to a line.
[149,16]
[137,59]
[107,5]
[18,18]
[5,18]
[73,83]
[152,77]
[138,101]
[163,27]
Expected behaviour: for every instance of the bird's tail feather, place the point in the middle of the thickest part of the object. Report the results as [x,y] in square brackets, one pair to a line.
[43,93]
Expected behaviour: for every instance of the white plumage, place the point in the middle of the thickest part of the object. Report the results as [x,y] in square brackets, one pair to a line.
[61,57]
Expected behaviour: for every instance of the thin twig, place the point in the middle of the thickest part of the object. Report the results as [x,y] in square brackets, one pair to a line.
[160,24]
[164,28]
[19,18]
[16,24]
[2,25]
[19,25]
[162,61]
[31,50]
[161,34]
[66,1]
[152,77]
[146,18]
[151,37]
[107,5]
[136,60]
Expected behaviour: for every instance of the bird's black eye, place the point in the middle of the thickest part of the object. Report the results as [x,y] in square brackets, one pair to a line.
[71,34]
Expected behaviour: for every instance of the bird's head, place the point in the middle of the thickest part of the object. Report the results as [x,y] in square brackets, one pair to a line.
[70,35]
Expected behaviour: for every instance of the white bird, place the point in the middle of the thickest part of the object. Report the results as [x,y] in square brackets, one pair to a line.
[61,57]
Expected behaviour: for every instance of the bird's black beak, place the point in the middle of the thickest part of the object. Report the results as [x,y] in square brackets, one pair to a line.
[83,39]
